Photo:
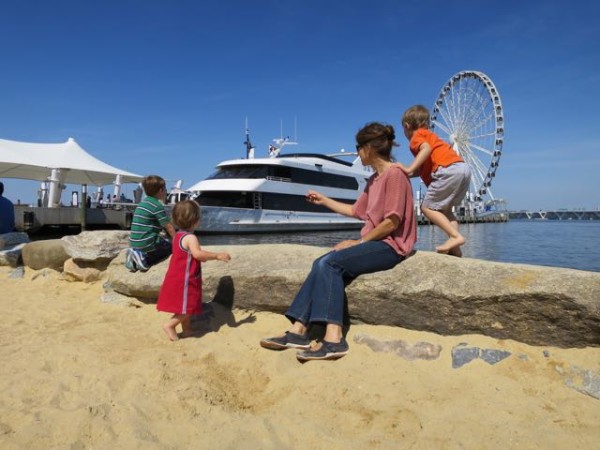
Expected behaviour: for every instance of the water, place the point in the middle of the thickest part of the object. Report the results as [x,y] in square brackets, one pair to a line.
[572,244]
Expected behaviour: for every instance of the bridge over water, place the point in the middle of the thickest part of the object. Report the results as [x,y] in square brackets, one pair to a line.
[555,215]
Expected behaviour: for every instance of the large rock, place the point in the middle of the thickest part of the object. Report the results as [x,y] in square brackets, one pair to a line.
[438,293]
[45,254]
[11,245]
[96,245]
[9,240]
[85,271]
[11,256]
[142,285]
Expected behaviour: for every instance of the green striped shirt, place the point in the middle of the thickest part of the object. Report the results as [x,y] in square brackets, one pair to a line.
[149,218]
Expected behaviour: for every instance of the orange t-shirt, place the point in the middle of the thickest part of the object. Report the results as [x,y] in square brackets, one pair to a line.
[441,153]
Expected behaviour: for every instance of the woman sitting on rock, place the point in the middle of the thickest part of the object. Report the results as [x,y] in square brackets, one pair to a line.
[386,239]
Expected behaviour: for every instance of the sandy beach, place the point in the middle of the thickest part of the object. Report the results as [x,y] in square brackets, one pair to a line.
[80,374]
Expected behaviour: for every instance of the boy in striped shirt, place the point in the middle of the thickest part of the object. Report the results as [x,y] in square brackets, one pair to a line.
[148,247]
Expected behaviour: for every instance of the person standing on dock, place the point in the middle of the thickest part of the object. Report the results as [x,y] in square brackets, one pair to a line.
[148,247]
[442,170]
[7,213]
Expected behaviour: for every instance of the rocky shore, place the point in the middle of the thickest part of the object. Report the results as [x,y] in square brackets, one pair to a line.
[427,292]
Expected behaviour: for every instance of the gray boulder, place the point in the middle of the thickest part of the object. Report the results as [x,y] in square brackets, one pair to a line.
[9,240]
[85,271]
[11,256]
[45,254]
[144,286]
[96,245]
[11,245]
[428,291]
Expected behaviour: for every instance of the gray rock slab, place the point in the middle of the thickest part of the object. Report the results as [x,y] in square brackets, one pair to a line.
[462,355]
[18,272]
[492,356]
[418,350]
[584,381]
[39,255]
[96,245]
[427,292]
[114,298]
[8,240]
[11,256]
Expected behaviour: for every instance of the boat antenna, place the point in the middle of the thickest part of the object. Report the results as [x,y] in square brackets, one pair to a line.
[249,146]
[296,129]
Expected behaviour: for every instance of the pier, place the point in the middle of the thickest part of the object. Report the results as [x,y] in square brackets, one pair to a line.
[119,215]
[33,218]
[468,217]
[561,214]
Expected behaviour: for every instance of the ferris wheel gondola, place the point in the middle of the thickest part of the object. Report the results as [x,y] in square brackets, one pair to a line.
[468,114]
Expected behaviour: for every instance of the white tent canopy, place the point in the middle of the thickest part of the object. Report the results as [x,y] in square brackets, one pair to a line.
[34,161]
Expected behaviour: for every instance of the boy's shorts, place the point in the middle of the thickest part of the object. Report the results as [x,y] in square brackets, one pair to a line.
[448,188]
[160,252]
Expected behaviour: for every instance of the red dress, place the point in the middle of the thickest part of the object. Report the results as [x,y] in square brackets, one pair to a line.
[181,291]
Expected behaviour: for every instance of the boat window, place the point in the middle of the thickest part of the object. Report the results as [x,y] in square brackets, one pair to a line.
[279,202]
[226,199]
[320,178]
[254,171]
[288,174]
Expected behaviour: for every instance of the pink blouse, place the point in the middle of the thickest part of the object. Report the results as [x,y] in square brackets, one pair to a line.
[386,195]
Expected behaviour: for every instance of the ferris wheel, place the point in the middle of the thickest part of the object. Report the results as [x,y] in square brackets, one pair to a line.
[468,114]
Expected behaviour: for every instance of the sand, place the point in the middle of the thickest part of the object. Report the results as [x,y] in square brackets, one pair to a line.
[80,374]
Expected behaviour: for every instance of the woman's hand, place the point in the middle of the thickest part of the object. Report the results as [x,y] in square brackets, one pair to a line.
[346,244]
[316,198]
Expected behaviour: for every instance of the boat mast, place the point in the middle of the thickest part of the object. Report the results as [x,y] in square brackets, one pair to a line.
[249,146]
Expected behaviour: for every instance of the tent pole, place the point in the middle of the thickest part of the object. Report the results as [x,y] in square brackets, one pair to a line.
[83,206]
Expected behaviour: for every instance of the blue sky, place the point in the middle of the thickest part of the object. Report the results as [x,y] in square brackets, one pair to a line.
[165,86]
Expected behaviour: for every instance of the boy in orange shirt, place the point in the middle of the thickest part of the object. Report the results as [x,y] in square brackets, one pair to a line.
[442,170]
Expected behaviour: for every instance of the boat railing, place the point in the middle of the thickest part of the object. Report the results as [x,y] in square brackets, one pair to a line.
[282,179]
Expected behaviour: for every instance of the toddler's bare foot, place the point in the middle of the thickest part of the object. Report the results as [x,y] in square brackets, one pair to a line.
[187,333]
[170,332]
[450,244]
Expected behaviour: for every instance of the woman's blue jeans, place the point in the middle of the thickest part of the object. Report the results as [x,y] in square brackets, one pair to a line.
[321,297]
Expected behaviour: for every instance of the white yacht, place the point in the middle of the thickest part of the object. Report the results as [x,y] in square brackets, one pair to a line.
[258,195]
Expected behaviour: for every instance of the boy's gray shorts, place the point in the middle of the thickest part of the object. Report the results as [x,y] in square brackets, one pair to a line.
[448,188]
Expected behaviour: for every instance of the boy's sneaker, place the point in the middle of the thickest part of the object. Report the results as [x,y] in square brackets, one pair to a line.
[129,264]
[139,259]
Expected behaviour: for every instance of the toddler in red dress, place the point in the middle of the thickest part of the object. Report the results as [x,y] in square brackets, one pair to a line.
[181,291]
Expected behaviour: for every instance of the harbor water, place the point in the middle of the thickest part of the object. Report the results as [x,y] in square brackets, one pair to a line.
[571,244]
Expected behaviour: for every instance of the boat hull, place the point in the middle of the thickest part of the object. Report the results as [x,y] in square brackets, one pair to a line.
[223,220]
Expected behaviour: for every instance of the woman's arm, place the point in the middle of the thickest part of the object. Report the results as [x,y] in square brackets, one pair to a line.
[381,231]
[338,207]
[193,245]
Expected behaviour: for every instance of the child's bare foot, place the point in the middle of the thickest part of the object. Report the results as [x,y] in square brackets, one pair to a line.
[170,332]
[187,333]
[450,244]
